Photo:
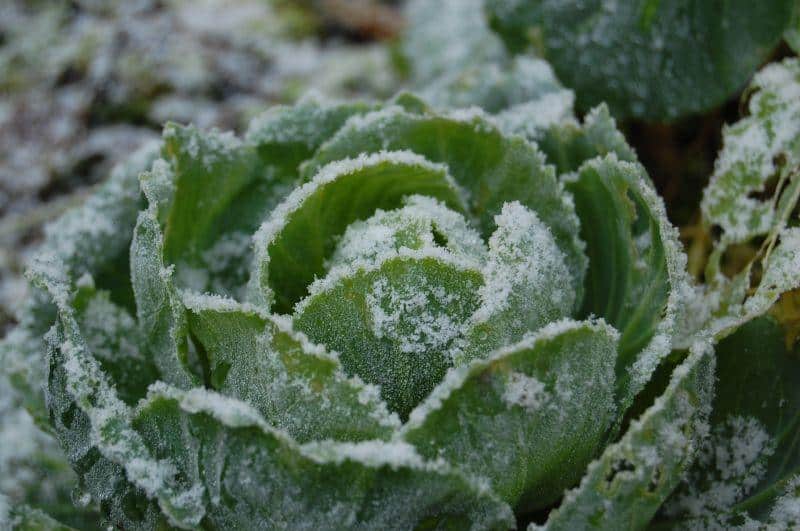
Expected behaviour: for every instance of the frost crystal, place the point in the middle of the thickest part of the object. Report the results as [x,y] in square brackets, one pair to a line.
[406,315]
[737,452]
[523,390]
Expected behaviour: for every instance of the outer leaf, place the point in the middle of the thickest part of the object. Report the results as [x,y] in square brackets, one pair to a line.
[93,239]
[296,386]
[648,59]
[395,323]
[753,451]
[637,266]
[93,425]
[624,488]
[24,518]
[159,312]
[285,136]
[530,417]
[569,144]
[255,477]
[492,167]
[760,147]
[210,170]
[293,244]
[115,341]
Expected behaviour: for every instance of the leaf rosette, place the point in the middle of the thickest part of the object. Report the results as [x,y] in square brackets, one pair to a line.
[368,317]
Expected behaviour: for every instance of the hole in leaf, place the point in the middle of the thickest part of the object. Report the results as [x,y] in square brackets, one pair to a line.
[620,465]
[132,504]
[771,184]
[438,237]
[68,417]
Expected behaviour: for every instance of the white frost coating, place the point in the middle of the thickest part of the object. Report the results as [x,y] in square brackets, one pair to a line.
[278,124]
[730,464]
[786,511]
[751,151]
[199,302]
[372,453]
[340,272]
[525,391]
[411,226]
[216,144]
[672,415]
[405,315]
[456,376]
[532,118]
[229,411]
[525,265]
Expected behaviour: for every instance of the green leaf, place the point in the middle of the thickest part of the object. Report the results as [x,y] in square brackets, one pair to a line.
[727,304]
[493,168]
[114,339]
[530,417]
[254,477]
[293,244]
[395,323]
[93,426]
[759,148]
[569,144]
[624,488]
[298,387]
[647,58]
[526,283]
[210,169]
[792,33]
[637,268]
[206,232]
[285,136]
[93,239]
[24,518]
[160,314]
[220,188]
[753,451]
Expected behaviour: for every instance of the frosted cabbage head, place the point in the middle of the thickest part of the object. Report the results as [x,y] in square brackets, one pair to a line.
[361,317]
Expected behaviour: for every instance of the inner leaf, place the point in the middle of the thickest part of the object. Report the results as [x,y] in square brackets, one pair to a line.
[294,243]
[395,325]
